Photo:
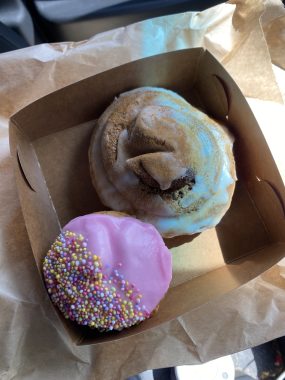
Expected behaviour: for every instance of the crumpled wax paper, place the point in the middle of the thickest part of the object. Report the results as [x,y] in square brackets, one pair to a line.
[247,37]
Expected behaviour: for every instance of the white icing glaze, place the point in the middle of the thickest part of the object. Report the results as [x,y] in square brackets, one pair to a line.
[208,153]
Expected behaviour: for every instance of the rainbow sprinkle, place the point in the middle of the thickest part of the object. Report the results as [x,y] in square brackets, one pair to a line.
[77,284]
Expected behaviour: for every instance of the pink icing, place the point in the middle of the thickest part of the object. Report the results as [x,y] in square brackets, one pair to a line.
[135,246]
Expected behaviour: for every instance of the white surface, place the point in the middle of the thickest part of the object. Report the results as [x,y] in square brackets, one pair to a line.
[218,369]
[244,363]
[281,377]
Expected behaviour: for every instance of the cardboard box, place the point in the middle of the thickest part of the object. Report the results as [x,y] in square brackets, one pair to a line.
[49,142]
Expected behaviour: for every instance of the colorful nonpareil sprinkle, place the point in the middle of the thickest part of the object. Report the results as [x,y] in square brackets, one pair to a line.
[84,290]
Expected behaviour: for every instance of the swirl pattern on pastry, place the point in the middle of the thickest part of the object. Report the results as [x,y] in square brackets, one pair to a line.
[158,157]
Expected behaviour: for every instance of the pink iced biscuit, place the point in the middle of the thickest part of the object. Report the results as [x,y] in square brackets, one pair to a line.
[107,272]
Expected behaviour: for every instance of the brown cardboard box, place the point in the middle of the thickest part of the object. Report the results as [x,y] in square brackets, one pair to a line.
[49,143]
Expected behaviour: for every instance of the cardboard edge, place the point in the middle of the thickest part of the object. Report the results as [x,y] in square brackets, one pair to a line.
[25,112]
[265,170]
[30,191]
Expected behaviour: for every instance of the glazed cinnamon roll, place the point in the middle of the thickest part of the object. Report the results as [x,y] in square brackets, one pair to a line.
[156,156]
